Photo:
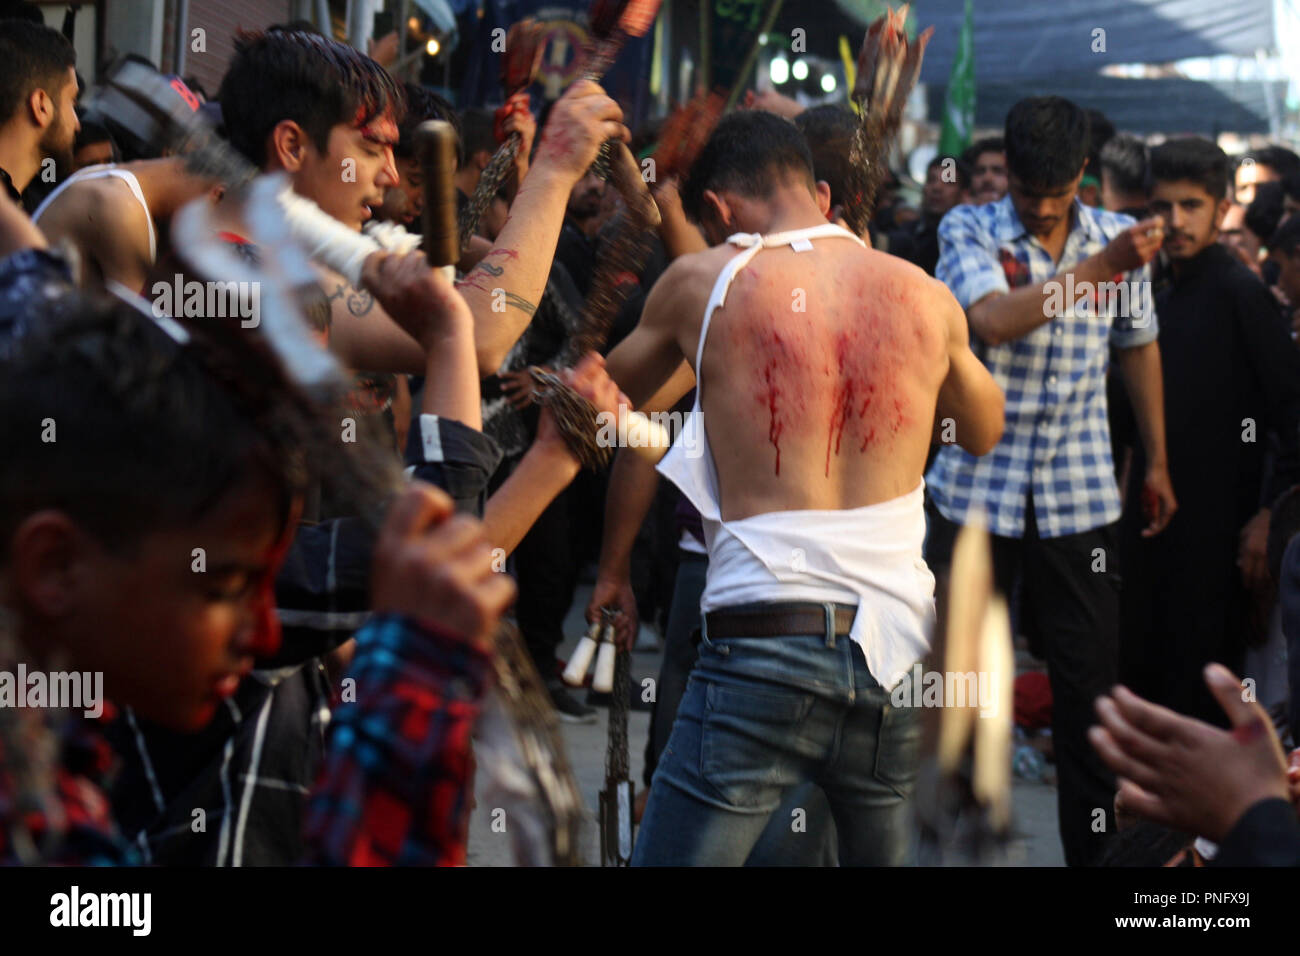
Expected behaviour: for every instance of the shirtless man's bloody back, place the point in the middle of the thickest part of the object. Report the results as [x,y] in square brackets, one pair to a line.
[822,374]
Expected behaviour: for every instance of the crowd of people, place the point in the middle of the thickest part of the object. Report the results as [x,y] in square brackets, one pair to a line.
[1082,342]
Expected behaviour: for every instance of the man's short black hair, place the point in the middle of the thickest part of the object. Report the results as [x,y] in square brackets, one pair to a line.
[167,430]
[311,79]
[32,57]
[1286,238]
[828,130]
[1277,158]
[990,144]
[1047,141]
[1124,159]
[961,170]
[749,152]
[1191,158]
[424,104]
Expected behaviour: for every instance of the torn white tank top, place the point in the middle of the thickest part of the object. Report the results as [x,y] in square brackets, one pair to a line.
[868,556]
[100,172]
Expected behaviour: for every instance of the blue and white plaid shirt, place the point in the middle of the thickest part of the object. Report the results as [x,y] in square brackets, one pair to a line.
[1057,439]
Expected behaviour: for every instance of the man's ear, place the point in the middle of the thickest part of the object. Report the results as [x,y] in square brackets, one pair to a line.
[717,208]
[1222,210]
[822,193]
[42,108]
[288,146]
[47,554]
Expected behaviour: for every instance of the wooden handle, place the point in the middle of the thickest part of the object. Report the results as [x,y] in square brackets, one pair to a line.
[435,151]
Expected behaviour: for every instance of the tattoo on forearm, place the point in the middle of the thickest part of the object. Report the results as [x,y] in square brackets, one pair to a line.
[358,301]
[482,275]
[520,303]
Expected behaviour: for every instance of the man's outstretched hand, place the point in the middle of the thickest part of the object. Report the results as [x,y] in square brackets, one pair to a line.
[1186,774]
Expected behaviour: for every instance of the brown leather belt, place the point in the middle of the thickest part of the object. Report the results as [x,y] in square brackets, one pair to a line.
[797,619]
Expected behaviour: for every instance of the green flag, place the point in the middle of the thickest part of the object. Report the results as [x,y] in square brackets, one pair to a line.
[959,102]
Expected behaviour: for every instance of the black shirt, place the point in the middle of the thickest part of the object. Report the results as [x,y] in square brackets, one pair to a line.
[1228,360]
[14,194]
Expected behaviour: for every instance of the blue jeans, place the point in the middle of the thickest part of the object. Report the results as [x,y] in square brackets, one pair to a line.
[762,716]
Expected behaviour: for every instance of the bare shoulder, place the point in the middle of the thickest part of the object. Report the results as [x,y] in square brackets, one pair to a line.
[688,279]
[697,267]
[86,206]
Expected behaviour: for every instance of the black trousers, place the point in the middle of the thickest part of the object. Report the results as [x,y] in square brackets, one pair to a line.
[1069,600]
[549,561]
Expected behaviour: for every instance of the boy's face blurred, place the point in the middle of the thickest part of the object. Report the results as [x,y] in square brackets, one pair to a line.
[171,640]
[351,177]
[92,154]
[585,197]
[1234,234]
[939,195]
[988,181]
[1249,175]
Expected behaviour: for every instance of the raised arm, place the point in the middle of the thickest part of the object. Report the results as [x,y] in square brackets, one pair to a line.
[504,288]
[969,265]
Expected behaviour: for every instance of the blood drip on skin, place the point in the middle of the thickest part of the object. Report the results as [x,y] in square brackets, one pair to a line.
[556,142]
[862,413]
[839,416]
[851,365]
[858,367]
[774,425]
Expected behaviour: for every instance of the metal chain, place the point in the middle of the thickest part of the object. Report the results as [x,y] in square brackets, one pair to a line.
[616,753]
[489,181]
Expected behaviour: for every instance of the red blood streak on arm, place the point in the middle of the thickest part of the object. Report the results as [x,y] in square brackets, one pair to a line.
[508,253]
[473,281]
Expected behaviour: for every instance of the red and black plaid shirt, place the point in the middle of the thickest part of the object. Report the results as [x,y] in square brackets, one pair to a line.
[394,789]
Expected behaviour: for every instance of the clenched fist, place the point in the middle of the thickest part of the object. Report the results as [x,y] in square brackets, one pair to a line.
[581,120]
[1135,246]
[418,298]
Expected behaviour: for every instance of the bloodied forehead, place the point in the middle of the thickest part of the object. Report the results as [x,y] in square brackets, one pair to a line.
[381,129]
